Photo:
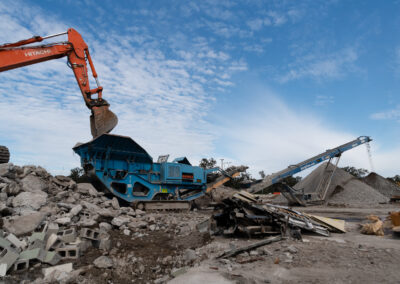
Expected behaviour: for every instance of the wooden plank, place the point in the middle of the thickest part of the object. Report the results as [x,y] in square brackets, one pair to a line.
[250,247]
[220,182]
[330,222]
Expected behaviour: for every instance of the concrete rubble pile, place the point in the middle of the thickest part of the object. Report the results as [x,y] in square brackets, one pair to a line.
[243,215]
[49,224]
[48,219]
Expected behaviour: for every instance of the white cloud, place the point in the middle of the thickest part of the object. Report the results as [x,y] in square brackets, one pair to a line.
[325,66]
[161,100]
[269,135]
[391,114]
[321,100]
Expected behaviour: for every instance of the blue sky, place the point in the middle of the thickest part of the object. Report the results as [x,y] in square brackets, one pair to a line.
[261,83]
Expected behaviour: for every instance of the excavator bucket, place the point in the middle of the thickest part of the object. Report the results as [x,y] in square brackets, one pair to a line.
[102,121]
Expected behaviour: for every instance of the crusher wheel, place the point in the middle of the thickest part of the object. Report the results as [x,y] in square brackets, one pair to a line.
[4,155]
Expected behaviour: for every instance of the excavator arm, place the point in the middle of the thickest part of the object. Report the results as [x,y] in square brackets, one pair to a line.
[16,55]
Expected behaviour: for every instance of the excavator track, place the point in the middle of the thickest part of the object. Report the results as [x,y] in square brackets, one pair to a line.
[185,205]
[4,155]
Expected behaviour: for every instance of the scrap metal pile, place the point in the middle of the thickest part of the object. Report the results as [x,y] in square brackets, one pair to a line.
[242,215]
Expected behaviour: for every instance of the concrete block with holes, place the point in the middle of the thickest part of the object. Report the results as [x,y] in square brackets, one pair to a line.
[67,236]
[68,252]
[16,242]
[8,254]
[90,234]
[21,265]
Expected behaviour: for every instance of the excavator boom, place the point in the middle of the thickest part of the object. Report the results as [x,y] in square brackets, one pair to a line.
[16,55]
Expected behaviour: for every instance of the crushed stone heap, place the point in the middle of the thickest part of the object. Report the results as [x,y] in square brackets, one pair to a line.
[383,185]
[344,188]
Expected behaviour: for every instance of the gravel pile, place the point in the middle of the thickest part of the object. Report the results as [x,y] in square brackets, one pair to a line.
[344,188]
[383,185]
[310,183]
[356,192]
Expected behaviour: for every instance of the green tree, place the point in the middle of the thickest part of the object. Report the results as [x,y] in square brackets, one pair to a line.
[78,175]
[207,163]
[395,179]
[358,173]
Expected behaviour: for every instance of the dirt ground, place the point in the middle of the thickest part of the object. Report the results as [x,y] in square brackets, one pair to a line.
[140,258]
[341,258]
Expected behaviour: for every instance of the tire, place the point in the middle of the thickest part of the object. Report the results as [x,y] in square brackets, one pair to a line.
[4,155]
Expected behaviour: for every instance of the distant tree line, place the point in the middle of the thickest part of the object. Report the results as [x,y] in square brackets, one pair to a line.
[78,175]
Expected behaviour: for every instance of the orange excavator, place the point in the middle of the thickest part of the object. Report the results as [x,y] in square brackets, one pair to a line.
[18,54]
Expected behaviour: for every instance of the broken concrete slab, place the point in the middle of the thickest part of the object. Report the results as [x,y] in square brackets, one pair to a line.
[33,200]
[37,243]
[52,228]
[120,220]
[6,243]
[32,183]
[103,262]
[33,254]
[91,207]
[105,244]
[20,225]
[8,256]
[3,269]
[67,267]
[63,221]
[16,242]
[88,189]
[37,236]
[105,227]
[52,258]
[53,242]
[75,210]
[115,203]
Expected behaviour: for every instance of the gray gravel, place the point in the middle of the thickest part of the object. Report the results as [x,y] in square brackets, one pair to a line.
[383,185]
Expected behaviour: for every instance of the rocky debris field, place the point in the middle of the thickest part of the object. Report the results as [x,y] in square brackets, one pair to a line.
[74,223]
[56,231]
